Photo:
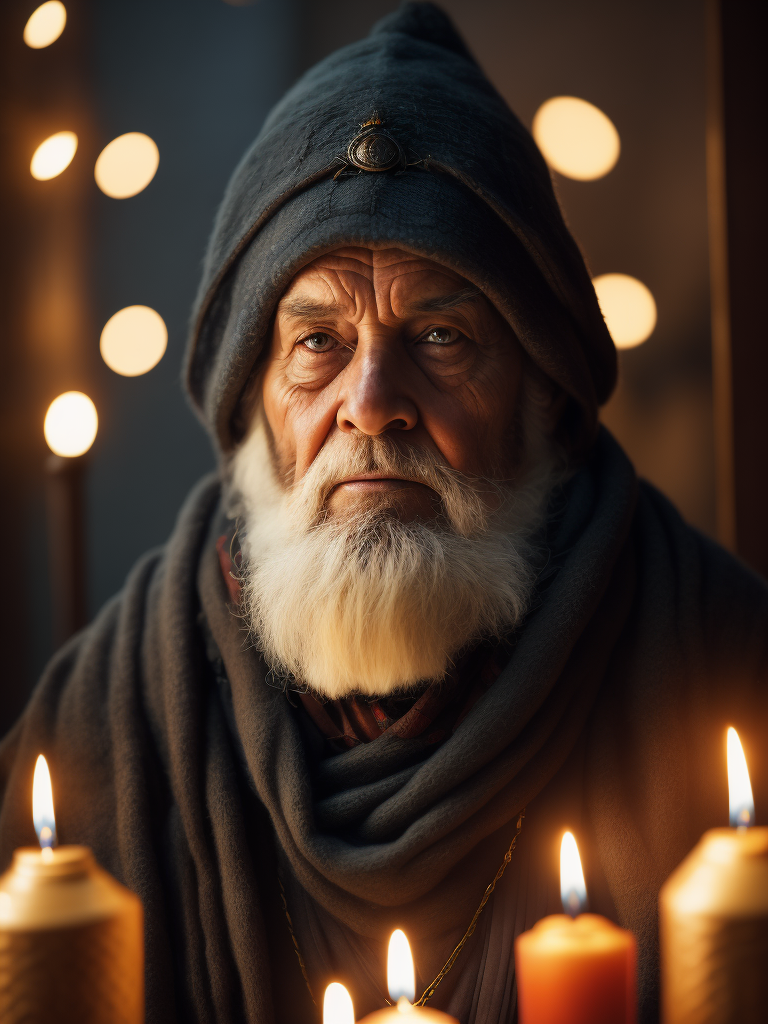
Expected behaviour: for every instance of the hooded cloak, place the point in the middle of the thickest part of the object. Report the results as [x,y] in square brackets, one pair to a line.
[193,778]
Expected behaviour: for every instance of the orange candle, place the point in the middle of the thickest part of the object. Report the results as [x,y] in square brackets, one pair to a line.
[401,983]
[575,968]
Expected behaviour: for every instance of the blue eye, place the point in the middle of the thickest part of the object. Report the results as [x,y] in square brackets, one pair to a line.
[319,342]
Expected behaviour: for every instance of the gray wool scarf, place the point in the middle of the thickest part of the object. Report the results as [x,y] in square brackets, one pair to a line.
[609,718]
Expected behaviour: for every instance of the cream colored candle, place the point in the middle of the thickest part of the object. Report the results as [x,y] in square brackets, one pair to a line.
[71,937]
[575,968]
[714,918]
[401,983]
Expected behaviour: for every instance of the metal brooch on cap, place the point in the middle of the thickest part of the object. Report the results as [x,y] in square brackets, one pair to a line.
[373,149]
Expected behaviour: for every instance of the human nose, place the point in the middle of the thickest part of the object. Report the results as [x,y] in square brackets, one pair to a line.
[373,400]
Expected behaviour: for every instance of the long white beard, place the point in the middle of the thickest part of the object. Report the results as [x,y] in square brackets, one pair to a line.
[367,603]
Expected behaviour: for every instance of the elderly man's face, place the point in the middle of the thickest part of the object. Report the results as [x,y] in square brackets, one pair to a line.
[375,342]
[415,462]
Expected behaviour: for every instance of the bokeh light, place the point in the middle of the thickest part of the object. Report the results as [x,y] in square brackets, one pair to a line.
[133,340]
[71,424]
[576,138]
[628,307]
[45,25]
[126,165]
[53,156]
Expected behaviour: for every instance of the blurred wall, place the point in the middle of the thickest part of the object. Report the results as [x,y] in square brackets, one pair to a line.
[198,76]
[45,314]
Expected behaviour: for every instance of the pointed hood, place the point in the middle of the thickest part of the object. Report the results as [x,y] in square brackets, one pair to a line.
[464,185]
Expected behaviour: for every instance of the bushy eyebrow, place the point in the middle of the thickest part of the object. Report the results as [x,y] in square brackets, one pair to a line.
[308,312]
[442,303]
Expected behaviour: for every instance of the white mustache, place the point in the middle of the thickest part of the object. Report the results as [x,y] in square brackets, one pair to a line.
[346,456]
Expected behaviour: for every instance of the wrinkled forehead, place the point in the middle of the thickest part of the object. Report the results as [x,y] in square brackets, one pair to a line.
[349,277]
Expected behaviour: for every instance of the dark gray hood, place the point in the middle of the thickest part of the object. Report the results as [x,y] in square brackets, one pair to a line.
[469,190]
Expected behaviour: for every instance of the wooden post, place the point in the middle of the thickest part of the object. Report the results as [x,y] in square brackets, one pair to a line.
[65,487]
[737,175]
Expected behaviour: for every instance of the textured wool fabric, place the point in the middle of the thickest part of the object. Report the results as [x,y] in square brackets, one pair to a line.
[645,643]
[475,196]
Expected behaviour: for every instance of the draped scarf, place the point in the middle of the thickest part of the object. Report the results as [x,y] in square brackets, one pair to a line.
[190,776]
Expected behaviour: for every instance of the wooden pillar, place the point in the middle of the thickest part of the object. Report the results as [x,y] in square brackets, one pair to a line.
[65,500]
[737,173]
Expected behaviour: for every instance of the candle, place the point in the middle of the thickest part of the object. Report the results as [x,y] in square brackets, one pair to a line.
[401,983]
[71,946]
[575,968]
[714,917]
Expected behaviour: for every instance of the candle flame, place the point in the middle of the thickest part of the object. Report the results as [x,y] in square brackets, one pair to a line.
[742,805]
[42,805]
[401,981]
[337,1005]
[573,890]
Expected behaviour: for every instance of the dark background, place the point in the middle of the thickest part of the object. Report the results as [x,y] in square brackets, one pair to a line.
[199,76]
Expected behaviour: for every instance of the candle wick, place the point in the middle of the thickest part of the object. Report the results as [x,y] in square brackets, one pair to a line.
[404,1004]
[572,905]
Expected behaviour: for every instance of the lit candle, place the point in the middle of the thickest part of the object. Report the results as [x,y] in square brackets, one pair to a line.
[337,1005]
[71,944]
[401,983]
[575,968]
[714,917]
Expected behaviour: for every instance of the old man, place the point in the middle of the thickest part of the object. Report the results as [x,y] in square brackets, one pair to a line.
[425,614]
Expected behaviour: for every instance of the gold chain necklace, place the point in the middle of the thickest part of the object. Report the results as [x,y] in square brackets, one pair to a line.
[429,991]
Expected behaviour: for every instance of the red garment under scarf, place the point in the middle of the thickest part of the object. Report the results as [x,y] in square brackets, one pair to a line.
[435,711]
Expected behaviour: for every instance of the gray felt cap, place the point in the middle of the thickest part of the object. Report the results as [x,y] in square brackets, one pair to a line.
[398,139]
